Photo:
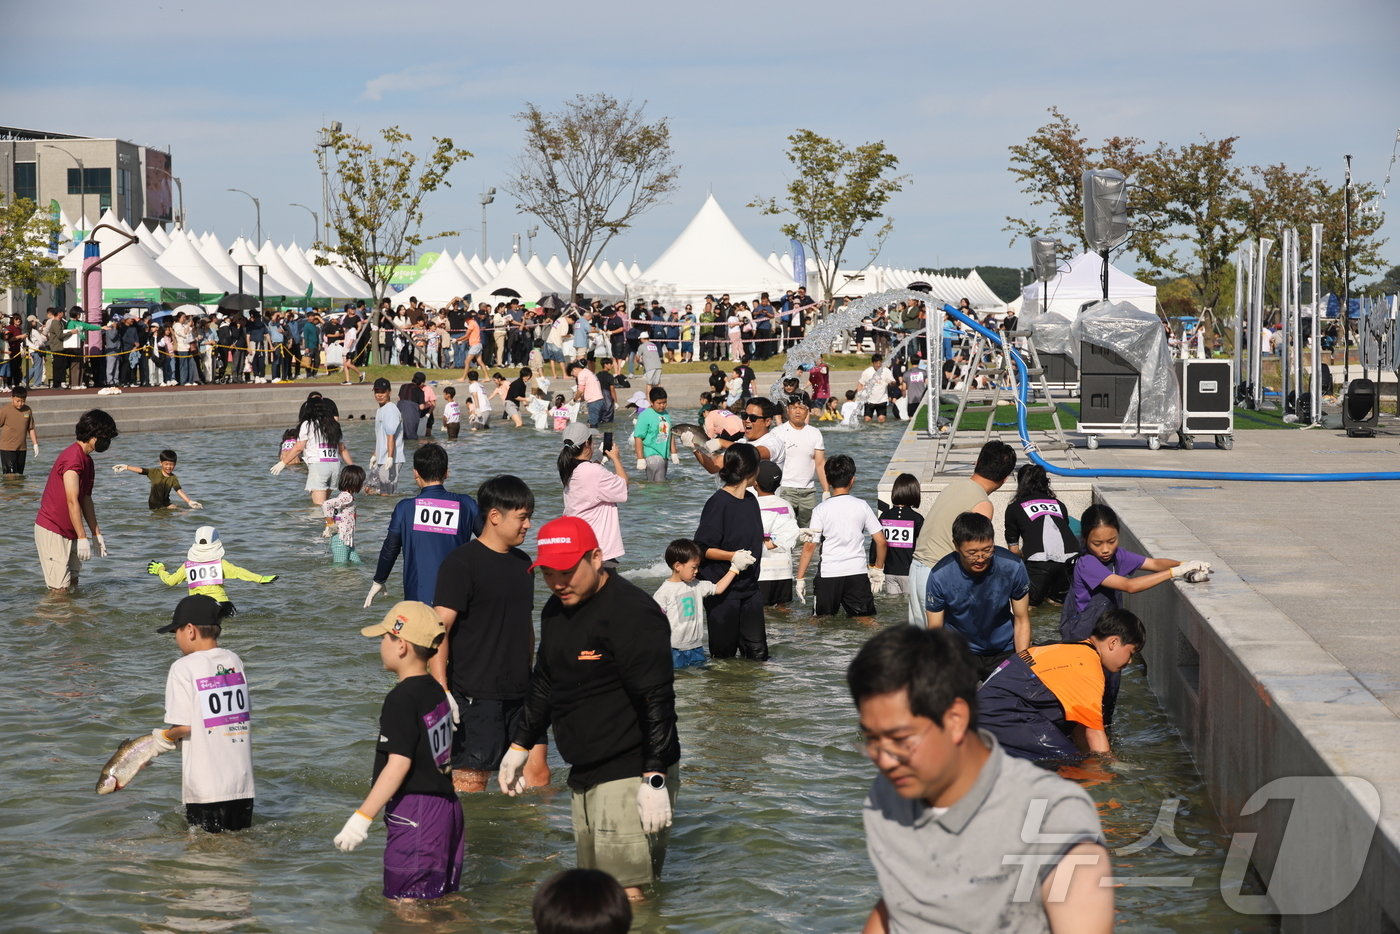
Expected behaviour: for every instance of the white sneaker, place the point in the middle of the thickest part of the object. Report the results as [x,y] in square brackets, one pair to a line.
[277,380]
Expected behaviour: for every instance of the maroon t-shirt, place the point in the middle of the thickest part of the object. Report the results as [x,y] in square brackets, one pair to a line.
[53,507]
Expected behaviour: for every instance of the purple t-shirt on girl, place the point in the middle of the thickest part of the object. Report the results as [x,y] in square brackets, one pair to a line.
[1090,572]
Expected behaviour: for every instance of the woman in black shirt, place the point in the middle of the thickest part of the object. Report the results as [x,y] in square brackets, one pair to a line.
[731,521]
[1038,529]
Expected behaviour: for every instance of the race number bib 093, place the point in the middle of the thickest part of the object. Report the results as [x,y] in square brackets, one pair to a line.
[899,533]
[437,515]
[204,574]
[223,699]
[438,722]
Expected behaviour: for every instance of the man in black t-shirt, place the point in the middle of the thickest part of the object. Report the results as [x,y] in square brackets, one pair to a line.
[603,679]
[485,598]
[518,396]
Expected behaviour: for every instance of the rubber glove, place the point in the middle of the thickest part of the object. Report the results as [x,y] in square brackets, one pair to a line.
[452,702]
[163,741]
[511,776]
[877,579]
[826,495]
[654,807]
[277,468]
[687,439]
[328,531]
[355,832]
[269,579]
[800,588]
[116,468]
[676,457]
[743,560]
[641,463]
[375,590]
[84,550]
[196,504]
[808,535]
[713,446]
[1196,576]
[155,567]
[101,547]
[1186,567]
[36,448]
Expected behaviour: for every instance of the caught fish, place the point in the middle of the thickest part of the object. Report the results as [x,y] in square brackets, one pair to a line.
[131,757]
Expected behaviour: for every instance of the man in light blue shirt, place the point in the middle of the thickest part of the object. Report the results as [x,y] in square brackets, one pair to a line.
[388,443]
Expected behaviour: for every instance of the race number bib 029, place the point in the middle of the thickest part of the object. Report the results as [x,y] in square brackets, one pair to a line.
[437,515]
[223,699]
[204,574]
[438,722]
[899,533]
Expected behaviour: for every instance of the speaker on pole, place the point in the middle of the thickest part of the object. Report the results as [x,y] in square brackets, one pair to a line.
[1105,209]
[1043,259]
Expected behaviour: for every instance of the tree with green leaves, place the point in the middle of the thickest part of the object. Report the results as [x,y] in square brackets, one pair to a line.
[837,192]
[26,234]
[376,206]
[1049,167]
[589,170]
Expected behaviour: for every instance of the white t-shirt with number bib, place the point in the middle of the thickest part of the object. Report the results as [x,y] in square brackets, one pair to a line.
[208,692]
[844,522]
[685,609]
[317,451]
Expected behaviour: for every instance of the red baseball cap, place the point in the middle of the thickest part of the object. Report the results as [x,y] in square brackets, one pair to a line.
[563,542]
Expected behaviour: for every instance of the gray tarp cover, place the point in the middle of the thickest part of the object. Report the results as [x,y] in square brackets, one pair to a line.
[1139,338]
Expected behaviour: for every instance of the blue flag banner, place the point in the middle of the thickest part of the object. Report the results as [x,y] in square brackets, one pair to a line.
[1334,305]
[799,263]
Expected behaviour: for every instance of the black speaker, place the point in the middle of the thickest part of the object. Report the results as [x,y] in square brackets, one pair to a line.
[1043,258]
[1105,208]
[1360,414]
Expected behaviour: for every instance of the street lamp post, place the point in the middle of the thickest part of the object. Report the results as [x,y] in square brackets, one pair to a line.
[487,197]
[531,234]
[82,177]
[257,207]
[315,219]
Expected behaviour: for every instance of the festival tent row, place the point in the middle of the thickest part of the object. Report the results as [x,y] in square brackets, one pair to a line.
[1079,283]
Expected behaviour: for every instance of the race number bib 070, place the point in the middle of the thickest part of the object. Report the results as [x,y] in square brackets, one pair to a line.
[899,533]
[439,725]
[437,515]
[204,574]
[223,699]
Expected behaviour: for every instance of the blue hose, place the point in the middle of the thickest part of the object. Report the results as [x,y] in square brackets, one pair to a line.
[1106,472]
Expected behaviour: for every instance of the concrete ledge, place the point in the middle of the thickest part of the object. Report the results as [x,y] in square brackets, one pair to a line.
[1257,699]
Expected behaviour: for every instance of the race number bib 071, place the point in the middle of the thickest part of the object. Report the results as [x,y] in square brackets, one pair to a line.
[899,533]
[223,699]
[438,722]
[437,515]
[204,574]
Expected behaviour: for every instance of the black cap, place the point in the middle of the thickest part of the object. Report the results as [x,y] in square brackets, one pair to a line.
[382,385]
[770,476]
[199,609]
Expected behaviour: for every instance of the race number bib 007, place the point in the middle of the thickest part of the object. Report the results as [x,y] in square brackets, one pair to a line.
[437,515]
[438,722]
[204,574]
[899,533]
[223,699]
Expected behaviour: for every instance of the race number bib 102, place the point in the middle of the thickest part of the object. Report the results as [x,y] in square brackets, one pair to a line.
[204,574]
[438,722]
[223,699]
[437,515]
[327,454]
[899,533]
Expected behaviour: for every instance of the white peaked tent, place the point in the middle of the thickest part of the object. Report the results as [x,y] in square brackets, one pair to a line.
[322,286]
[710,256]
[512,275]
[242,255]
[491,266]
[162,236]
[559,274]
[348,284]
[217,256]
[595,285]
[478,270]
[149,240]
[1079,284]
[277,267]
[607,276]
[551,284]
[183,260]
[465,265]
[981,294]
[443,282]
[633,271]
[621,274]
[132,273]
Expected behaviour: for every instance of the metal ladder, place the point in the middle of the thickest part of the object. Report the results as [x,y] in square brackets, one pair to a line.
[1003,379]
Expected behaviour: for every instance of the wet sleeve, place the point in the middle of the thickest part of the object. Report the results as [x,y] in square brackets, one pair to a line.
[935,600]
[648,677]
[393,543]
[1020,578]
[534,717]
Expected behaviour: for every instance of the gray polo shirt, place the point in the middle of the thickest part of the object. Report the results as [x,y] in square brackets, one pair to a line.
[961,870]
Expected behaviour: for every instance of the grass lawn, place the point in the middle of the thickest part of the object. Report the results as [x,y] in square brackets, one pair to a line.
[1005,418]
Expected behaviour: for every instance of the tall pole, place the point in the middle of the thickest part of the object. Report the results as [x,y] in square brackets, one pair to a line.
[257,208]
[315,220]
[82,180]
[487,197]
[1256,323]
[1243,261]
[1346,282]
[1285,273]
[1315,384]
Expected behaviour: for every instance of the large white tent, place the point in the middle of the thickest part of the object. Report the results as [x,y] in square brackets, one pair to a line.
[1079,283]
[513,275]
[710,256]
[322,286]
[131,273]
[443,282]
[187,263]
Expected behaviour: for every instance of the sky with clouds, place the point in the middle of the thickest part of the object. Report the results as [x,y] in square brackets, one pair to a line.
[238,92]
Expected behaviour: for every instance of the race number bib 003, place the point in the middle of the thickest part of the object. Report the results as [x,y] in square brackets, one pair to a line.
[438,722]
[437,515]
[204,574]
[223,699]
[327,454]
[899,533]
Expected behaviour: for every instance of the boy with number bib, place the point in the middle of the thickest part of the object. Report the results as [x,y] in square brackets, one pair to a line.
[205,571]
[902,524]
[424,843]
[426,528]
[451,413]
[208,706]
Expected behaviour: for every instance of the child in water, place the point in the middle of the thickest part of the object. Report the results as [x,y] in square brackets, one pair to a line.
[204,570]
[289,441]
[451,413]
[561,414]
[682,598]
[163,482]
[339,511]
[831,412]
[539,410]
[850,410]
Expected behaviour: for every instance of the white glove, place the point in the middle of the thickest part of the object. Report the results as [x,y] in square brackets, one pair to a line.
[116,468]
[277,468]
[163,742]
[877,579]
[373,462]
[101,547]
[800,588]
[1185,567]
[826,495]
[805,536]
[84,550]
[328,531]
[36,448]
[375,590]
[196,504]
[654,807]
[676,457]
[452,702]
[1196,576]
[355,832]
[743,560]
[687,439]
[641,463]
[714,446]
[511,776]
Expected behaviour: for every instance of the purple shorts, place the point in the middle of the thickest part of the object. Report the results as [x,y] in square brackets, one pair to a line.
[424,846]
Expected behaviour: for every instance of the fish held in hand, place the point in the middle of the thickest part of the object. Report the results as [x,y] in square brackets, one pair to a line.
[131,757]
